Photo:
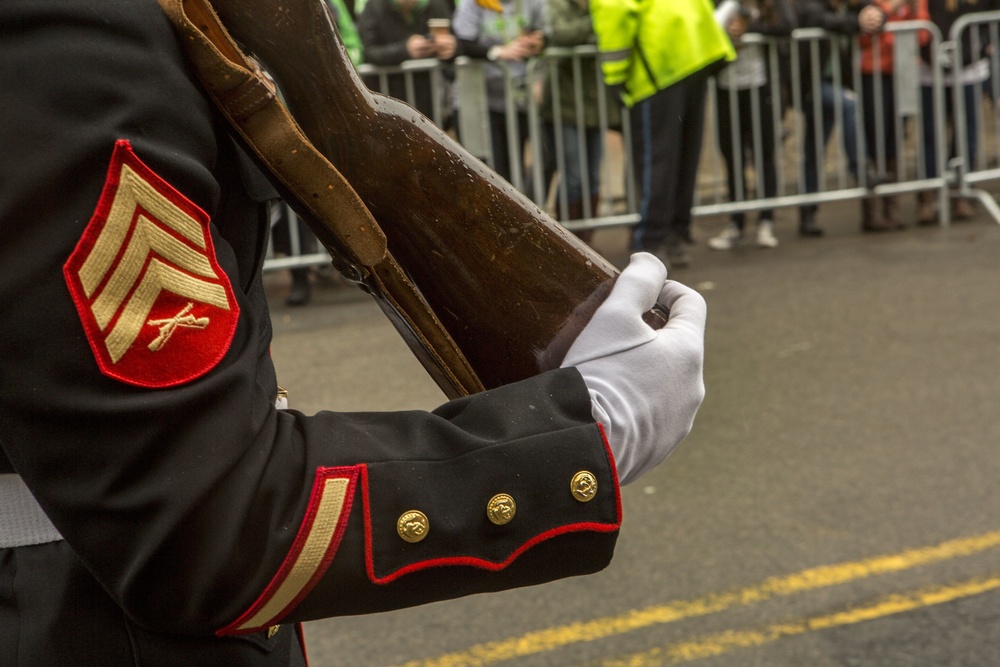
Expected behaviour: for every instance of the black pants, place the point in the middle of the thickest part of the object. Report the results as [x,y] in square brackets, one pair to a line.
[741,116]
[880,116]
[666,145]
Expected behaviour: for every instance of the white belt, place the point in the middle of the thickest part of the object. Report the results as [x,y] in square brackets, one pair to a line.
[22,521]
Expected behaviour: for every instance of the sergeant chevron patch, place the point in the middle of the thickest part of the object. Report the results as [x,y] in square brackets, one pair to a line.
[157,309]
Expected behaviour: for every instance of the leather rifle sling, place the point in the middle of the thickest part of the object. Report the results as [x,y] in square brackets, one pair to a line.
[334,210]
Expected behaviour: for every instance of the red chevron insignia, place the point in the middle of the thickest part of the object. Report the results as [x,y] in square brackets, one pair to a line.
[157,308]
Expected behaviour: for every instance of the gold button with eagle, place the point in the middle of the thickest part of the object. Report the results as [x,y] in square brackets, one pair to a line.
[413,526]
[583,486]
[501,509]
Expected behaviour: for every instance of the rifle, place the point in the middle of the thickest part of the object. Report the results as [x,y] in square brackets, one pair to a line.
[485,288]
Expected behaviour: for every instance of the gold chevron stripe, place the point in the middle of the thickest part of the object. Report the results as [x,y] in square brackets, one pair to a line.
[146,238]
[133,191]
[308,561]
[158,277]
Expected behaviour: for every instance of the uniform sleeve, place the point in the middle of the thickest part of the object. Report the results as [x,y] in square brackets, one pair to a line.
[616,23]
[137,400]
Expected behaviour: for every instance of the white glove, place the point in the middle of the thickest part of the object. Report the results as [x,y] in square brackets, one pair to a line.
[645,385]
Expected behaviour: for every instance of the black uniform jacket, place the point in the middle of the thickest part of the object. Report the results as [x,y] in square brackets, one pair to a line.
[137,392]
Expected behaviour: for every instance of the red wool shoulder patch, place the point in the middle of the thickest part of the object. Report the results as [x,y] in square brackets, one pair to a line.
[157,308]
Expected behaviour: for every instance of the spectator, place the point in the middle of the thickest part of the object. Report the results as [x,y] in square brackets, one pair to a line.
[570,25]
[508,32]
[877,88]
[841,17]
[393,31]
[660,55]
[300,291]
[348,31]
[972,69]
[745,83]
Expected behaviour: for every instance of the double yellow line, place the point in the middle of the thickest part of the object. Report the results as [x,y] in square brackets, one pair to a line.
[723,642]
[806,580]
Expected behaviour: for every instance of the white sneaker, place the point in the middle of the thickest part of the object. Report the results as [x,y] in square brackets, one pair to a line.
[765,235]
[730,237]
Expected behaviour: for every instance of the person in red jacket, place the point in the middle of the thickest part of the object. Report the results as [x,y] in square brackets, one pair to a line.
[879,103]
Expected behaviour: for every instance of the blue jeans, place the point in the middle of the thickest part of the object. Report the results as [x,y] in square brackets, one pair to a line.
[666,146]
[572,176]
[828,97]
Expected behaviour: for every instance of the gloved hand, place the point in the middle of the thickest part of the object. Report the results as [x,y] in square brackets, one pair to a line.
[645,385]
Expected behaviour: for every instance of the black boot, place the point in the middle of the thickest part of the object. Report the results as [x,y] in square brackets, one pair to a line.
[807,223]
[301,289]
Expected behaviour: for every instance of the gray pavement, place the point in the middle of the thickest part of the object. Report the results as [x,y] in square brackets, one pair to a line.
[851,422]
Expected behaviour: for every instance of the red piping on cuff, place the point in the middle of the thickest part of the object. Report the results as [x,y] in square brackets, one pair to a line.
[471,561]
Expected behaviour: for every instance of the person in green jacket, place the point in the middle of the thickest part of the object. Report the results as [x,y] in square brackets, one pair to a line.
[660,55]
[348,32]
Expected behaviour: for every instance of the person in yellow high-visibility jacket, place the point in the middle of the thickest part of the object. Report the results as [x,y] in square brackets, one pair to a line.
[660,54]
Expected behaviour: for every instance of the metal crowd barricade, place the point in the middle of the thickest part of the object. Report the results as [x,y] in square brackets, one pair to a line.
[712,197]
[532,170]
[973,172]
[297,256]
[787,120]
[408,69]
[907,94]
[615,183]
[536,170]
[805,105]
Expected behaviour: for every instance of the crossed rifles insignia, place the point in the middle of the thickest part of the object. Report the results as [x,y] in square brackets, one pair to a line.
[157,308]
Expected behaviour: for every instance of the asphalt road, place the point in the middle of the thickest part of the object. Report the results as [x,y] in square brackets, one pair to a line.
[836,504]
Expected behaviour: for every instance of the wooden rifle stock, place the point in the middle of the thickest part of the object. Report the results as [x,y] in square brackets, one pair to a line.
[510,285]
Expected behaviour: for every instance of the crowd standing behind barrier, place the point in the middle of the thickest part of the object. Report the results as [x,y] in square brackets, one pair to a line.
[747,100]
[922,161]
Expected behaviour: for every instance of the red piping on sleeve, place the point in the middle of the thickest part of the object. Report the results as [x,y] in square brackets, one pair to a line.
[471,561]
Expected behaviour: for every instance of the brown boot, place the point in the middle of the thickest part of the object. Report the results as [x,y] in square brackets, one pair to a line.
[871,217]
[890,212]
[962,209]
[926,208]
[890,203]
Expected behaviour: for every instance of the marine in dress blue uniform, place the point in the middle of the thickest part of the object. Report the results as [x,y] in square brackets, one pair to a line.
[162,510]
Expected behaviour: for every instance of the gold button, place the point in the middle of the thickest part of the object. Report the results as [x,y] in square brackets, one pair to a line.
[501,509]
[413,526]
[584,486]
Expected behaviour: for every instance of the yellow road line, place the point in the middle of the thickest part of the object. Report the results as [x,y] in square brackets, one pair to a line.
[724,642]
[811,579]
